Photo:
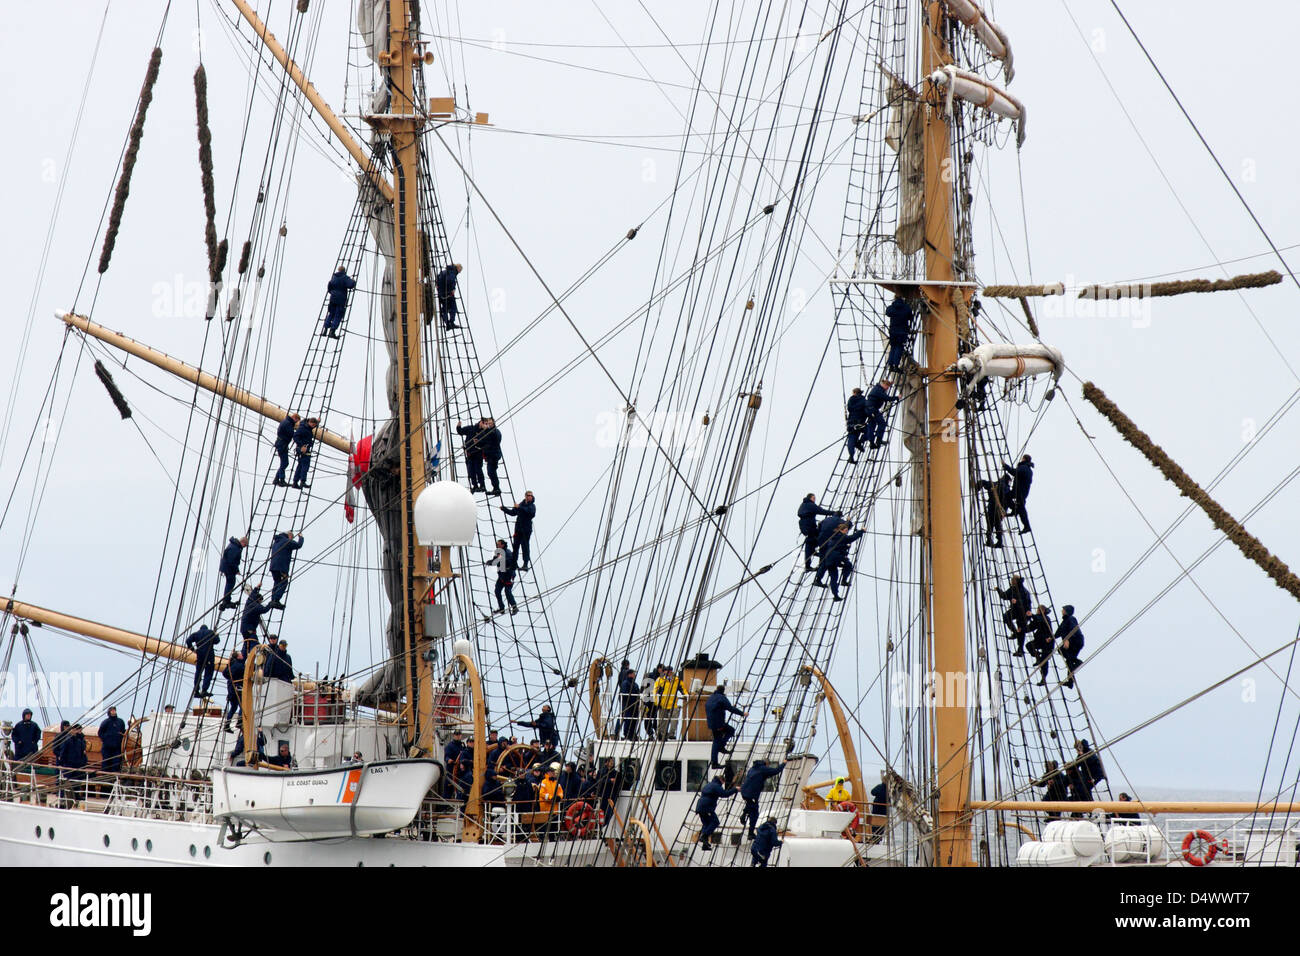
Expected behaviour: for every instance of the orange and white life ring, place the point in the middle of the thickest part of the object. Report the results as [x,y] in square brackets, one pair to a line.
[581,819]
[1203,837]
[848,806]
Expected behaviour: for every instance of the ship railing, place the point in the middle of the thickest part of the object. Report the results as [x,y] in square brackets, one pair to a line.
[1252,839]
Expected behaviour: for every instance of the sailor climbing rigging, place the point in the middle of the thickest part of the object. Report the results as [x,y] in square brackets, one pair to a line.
[899,313]
[446,288]
[809,511]
[339,286]
[283,436]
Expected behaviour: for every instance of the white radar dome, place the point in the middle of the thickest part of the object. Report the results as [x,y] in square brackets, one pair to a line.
[445,515]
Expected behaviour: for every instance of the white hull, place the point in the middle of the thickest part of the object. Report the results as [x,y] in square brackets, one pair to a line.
[79,838]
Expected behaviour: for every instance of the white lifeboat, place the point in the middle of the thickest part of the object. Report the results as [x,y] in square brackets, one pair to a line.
[352,800]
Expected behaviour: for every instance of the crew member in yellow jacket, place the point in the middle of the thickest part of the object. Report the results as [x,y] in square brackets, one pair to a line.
[667,691]
[838,794]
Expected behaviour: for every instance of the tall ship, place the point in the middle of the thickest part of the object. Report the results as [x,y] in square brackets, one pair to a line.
[737,623]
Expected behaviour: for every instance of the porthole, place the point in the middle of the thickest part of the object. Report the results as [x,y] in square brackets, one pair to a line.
[148,846]
[207,853]
[267,859]
[135,843]
[194,851]
[105,839]
[38,833]
[51,833]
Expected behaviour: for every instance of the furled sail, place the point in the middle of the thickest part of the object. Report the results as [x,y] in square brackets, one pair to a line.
[974,89]
[989,33]
[1004,360]
[903,135]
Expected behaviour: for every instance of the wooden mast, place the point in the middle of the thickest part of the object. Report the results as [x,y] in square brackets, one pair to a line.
[943,524]
[404,122]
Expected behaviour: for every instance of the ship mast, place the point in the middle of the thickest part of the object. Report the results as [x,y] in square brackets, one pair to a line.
[943,515]
[404,123]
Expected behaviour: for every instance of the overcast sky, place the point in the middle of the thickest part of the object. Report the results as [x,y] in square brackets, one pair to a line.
[1115,185]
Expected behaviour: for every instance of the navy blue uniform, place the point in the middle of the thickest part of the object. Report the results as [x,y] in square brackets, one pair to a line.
[835,558]
[631,698]
[111,732]
[1024,477]
[489,442]
[340,285]
[203,643]
[808,514]
[523,514]
[1071,638]
[230,567]
[716,708]
[473,455]
[445,284]
[238,752]
[900,330]
[72,753]
[751,788]
[1041,644]
[765,841]
[856,411]
[547,734]
[234,687]
[879,804]
[1017,613]
[706,806]
[877,399]
[283,436]
[282,549]
[303,437]
[997,508]
[250,619]
[26,738]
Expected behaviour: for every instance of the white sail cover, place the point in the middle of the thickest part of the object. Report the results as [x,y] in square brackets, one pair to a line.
[1003,360]
[989,33]
[974,89]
